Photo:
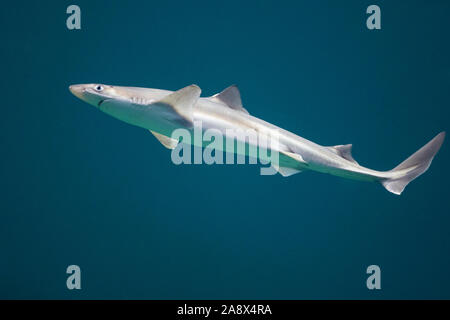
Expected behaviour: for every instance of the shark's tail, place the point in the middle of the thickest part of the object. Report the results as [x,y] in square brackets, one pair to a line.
[414,166]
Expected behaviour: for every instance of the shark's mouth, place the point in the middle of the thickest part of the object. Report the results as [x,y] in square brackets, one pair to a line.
[100,102]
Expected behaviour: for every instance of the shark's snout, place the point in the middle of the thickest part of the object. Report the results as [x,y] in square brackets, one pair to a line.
[92,93]
[77,90]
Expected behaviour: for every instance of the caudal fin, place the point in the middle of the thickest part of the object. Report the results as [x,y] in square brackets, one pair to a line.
[414,166]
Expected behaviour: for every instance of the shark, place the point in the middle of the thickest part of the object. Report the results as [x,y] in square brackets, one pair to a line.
[163,111]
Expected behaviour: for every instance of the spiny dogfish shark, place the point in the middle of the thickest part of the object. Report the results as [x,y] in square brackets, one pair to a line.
[163,111]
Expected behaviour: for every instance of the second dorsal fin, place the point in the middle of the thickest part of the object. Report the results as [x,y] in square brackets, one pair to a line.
[344,150]
[231,97]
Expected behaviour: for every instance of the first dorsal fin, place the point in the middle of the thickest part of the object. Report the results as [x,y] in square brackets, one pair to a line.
[344,150]
[231,97]
[183,100]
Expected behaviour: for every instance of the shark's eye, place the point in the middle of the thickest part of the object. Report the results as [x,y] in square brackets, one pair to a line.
[99,88]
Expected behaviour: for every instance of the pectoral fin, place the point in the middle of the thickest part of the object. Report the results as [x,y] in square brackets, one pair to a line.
[286,171]
[167,142]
